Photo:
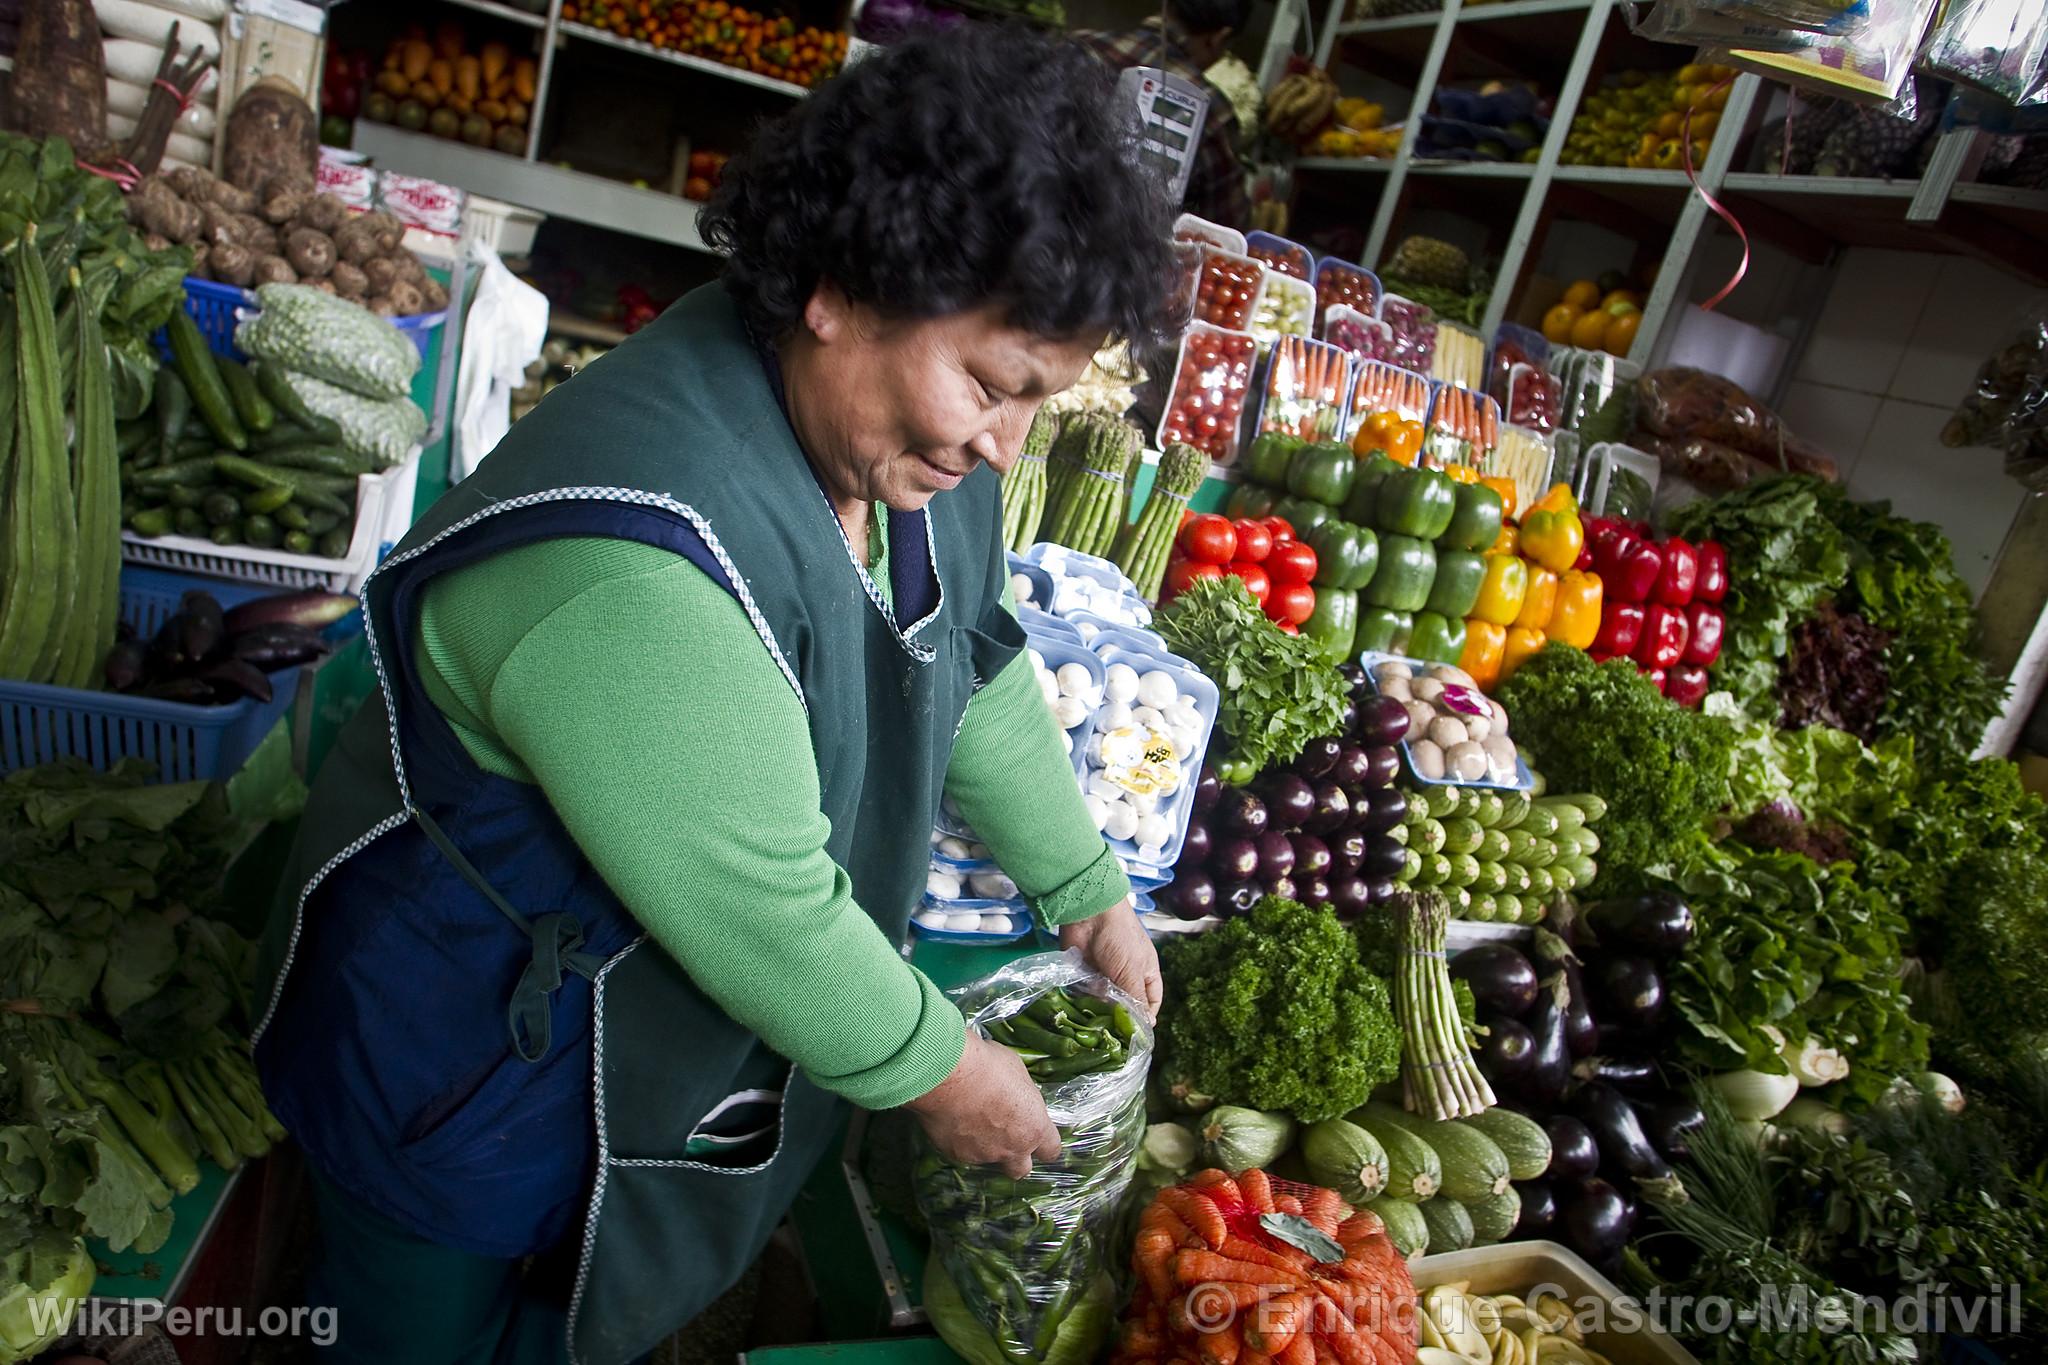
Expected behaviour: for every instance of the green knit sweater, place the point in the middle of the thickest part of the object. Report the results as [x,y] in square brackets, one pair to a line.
[635,692]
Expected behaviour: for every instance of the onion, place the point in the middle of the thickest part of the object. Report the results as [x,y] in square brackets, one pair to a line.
[1755,1096]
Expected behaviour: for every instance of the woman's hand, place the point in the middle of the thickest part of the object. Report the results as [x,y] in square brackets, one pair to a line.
[1115,944]
[988,1112]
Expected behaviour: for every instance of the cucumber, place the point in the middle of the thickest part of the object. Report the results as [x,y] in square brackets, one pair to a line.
[1462,836]
[1450,1227]
[332,544]
[173,406]
[1407,1229]
[1414,1172]
[1344,1157]
[1520,1138]
[196,366]
[1493,1219]
[319,458]
[1472,1167]
[254,410]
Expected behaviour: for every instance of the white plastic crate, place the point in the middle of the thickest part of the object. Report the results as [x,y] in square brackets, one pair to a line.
[280,569]
[505,228]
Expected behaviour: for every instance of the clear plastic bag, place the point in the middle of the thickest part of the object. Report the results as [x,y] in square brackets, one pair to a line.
[1868,61]
[2007,407]
[1029,1257]
[1997,46]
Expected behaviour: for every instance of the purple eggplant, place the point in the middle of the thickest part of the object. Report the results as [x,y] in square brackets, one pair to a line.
[1290,801]
[1354,679]
[1629,1072]
[1626,990]
[1208,790]
[1347,851]
[1352,766]
[1657,922]
[1350,895]
[1384,889]
[1197,846]
[1235,860]
[123,668]
[1318,757]
[234,679]
[1384,859]
[192,691]
[311,609]
[270,648]
[1386,766]
[1243,813]
[1670,1124]
[1500,977]
[1550,1068]
[1276,855]
[1539,1210]
[1312,890]
[1283,887]
[200,626]
[1237,898]
[1574,1154]
[1382,721]
[1193,895]
[1624,1146]
[1506,1053]
[1312,856]
[1595,1222]
[1332,809]
[1553,954]
[1380,809]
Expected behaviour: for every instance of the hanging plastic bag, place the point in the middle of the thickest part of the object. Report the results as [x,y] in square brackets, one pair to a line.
[1867,62]
[1997,46]
[1020,1266]
[503,333]
[1988,414]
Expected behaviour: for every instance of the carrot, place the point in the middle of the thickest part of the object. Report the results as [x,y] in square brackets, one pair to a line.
[1360,1226]
[1286,1203]
[1198,1213]
[1346,1343]
[1224,1347]
[1257,1188]
[1300,1351]
[1326,1209]
[1144,1338]
[1205,1267]
[1279,1257]
[1152,1258]
[1163,1219]
[1278,1322]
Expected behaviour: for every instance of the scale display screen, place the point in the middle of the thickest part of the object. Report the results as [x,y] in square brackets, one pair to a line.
[1170,114]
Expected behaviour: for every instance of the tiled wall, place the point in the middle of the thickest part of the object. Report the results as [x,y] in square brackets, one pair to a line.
[1897,344]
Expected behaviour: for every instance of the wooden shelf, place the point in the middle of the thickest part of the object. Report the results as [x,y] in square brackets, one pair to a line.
[685,59]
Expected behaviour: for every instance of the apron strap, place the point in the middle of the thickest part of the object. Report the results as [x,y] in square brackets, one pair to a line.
[557,941]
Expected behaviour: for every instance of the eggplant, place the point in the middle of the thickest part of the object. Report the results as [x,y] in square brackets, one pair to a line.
[1657,922]
[1386,766]
[1311,855]
[234,679]
[1574,1154]
[1290,801]
[1624,1146]
[1351,767]
[1552,953]
[1347,851]
[1624,1071]
[1382,721]
[1208,790]
[1617,1041]
[1332,809]
[200,625]
[1235,860]
[1237,898]
[312,609]
[1670,1125]
[1380,809]
[1318,757]
[1384,859]
[1276,855]
[1594,1222]
[1312,890]
[1355,681]
[1350,895]
[1500,977]
[1550,1068]
[1506,1053]
[1197,846]
[1384,889]
[1283,887]
[270,648]
[1539,1210]
[123,668]
[166,652]
[1347,716]
[191,691]
[1193,895]
[1627,990]
[1243,813]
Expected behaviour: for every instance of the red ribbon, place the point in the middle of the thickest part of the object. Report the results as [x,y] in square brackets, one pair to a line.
[1742,268]
[184,100]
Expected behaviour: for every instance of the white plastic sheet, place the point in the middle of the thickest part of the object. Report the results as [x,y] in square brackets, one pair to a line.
[505,327]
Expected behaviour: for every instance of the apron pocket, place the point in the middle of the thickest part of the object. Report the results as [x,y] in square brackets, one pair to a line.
[740,1132]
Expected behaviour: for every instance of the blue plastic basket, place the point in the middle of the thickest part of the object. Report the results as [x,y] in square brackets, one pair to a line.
[218,307]
[39,723]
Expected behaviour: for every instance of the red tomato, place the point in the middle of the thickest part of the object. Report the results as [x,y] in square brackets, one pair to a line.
[1290,603]
[1291,562]
[1254,540]
[1209,538]
[1288,627]
[1256,580]
[1187,571]
[1279,526]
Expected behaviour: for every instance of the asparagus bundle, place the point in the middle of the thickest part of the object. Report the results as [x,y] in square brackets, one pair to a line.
[1024,485]
[1439,1079]
[1088,515]
[1143,547]
[1066,460]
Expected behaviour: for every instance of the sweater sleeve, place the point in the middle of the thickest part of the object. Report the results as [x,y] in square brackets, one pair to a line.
[682,767]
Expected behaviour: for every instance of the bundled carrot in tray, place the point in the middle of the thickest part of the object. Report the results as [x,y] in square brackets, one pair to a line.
[1306,389]
[1464,429]
[1383,387]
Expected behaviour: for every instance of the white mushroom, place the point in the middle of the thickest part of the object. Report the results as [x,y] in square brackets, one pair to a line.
[1420,714]
[1397,688]
[1427,689]
[1477,728]
[1447,732]
[1157,690]
[1428,759]
[1121,683]
[1466,762]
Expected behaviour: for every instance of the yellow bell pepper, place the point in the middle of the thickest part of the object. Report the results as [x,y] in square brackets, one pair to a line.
[1576,618]
[1502,590]
[1484,642]
[1558,498]
[1521,643]
[1506,489]
[1461,473]
[1508,542]
[1540,601]
[1553,538]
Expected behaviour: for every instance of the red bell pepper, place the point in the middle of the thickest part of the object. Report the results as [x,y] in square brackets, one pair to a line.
[1657,676]
[1628,567]
[1680,574]
[1712,584]
[1621,625]
[1664,637]
[1705,626]
[1686,684]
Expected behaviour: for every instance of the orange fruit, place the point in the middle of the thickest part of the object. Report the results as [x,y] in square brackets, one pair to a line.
[1559,321]
[1614,296]
[1619,332]
[1590,330]
[1582,294]
[1621,308]
[1668,123]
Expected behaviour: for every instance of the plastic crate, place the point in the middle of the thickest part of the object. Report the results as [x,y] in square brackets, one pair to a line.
[39,723]
[276,570]
[218,307]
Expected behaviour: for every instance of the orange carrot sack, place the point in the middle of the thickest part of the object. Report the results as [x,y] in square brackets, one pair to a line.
[1021,1268]
[1250,1269]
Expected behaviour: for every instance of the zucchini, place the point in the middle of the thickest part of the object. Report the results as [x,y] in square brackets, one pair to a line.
[1589,843]
[1493,1219]
[1450,1227]
[1507,908]
[1236,1139]
[1542,852]
[1567,815]
[1595,807]
[1515,808]
[254,410]
[1414,1172]
[1520,1138]
[1496,847]
[1431,836]
[1492,811]
[1543,822]
[1462,836]
[1345,1158]
[1440,802]
[270,381]
[1520,841]
[1473,1168]
[202,377]
[1541,883]
[1407,1229]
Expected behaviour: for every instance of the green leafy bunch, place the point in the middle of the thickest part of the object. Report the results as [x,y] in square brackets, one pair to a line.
[1275,1011]
[1604,728]
[1278,690]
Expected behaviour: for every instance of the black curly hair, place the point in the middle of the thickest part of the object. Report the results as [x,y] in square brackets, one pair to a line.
[986,164]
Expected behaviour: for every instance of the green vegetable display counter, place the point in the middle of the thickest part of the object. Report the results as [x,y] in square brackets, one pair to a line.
[161,1274]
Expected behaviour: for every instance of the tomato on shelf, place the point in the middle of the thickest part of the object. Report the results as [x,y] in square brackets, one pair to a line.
[1291,562]
[1209,539]
[1185,571]
[1254,540]
[1290,603]
[1210,382]
[1256,581]
[1227,289]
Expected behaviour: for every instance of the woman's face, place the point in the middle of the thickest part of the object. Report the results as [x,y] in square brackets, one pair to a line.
[894,411]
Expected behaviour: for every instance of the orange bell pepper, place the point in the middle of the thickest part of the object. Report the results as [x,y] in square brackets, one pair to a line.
[1484,642]
[1520,645]
[1405,440]
[1508,543]
[1576,619]
[1540,601]
[1553,537]
[1506,489]
[1558,498]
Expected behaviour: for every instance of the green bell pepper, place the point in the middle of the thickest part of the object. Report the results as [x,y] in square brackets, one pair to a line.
[1251,502]
[1334,622]
[1406,573]
[1269,457]
[1323,473]
[1416,502]
[1436,638]
[1360,509]
[1382,631]
[1303,514]
[1346,555]
[1459,575]
[1475,525]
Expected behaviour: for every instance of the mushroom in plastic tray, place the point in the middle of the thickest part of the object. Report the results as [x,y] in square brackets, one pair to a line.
[1456,733]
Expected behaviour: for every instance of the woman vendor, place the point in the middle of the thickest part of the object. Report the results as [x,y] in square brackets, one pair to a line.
[595,918]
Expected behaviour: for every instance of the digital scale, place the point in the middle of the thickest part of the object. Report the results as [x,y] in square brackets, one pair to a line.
[1170,113]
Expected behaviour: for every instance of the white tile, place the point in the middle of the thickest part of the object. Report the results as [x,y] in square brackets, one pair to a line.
[1965,492]
[1972,312]
[1836,420]
[1869,316]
